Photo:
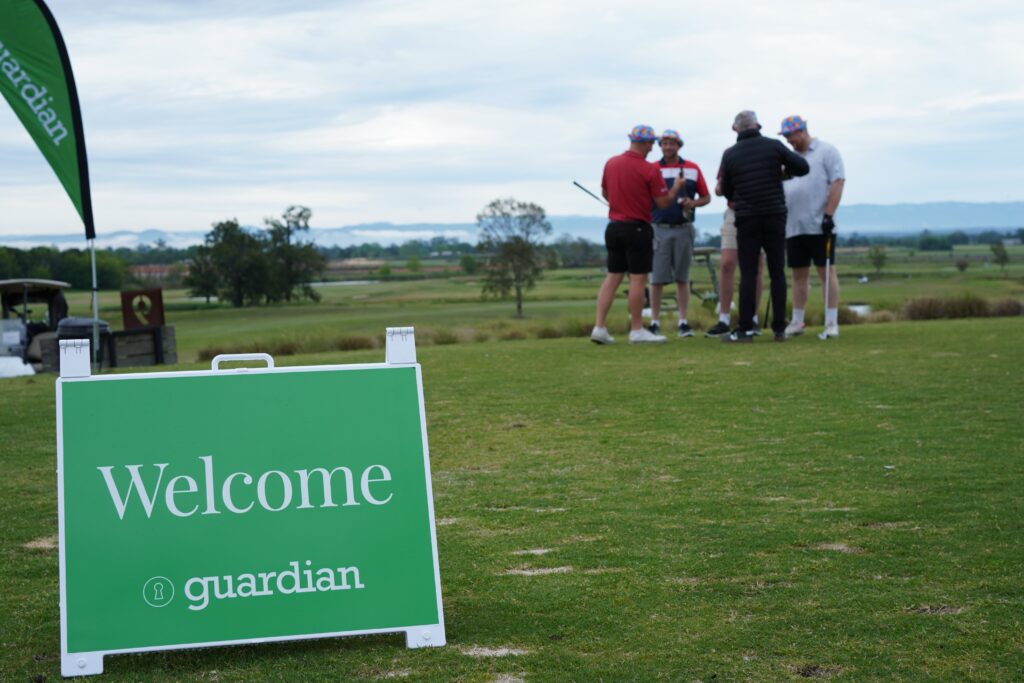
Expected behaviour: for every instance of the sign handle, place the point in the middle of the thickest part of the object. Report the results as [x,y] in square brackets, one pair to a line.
[229,357]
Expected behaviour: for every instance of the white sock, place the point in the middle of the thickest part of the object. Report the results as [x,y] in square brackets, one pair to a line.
[831,316]
[600,329]
[756,321]
[683,321]
[724,318]
[654,321]
[798,315]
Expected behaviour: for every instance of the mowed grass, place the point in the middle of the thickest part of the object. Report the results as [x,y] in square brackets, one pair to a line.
[849,509]
[563,298]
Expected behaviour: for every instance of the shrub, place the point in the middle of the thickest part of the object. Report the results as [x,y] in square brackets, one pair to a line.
[1007,308]
[924,308]
[961,264]
[934,308]
[285,347]
[512,335]
[967,306]
[442,337]
[352,343]
[549,332]
[481,336]
[577,328]
[848,317]
[881,317]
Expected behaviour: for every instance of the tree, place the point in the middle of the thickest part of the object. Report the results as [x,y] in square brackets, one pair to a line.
[414,264]
[203,278]
[1000,255]
[293,264]
[468,263]
[239,257]
[878,257]
[961,264]
[511,232]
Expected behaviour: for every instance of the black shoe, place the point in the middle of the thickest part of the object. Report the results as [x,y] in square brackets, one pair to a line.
[738,336]
[718,330]
[756,331]
[781,337]
[685,330]
[654,327]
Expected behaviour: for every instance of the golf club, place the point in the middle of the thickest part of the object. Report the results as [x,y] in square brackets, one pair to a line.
[590,193]
[828,285]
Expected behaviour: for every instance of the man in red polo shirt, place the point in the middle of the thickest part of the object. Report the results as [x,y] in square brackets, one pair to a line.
[631,185]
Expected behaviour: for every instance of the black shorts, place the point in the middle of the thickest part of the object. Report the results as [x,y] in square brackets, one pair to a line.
[803,249]
[630,247]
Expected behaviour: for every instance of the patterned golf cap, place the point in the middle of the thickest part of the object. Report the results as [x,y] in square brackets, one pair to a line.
[669,134]
[642,133]
[792,124]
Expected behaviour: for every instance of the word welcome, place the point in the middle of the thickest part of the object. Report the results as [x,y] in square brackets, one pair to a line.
[35,96]
[288,582]
[274,489]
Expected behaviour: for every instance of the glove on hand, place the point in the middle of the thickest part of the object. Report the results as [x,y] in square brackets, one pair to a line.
[828,226]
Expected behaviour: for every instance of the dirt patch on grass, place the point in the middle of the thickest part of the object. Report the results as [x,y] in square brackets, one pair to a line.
[839,548]
[533,551]
[398,673]
[539,571]
[519,508]
[686,580]
[934,609]
[510,678]
[584,539]
[42,543]
[478,651]
[447,521]
[815,671]
[606,570]
[906,526]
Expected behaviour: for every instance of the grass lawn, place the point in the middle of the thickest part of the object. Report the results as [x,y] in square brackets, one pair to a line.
[849,509]
[563,298]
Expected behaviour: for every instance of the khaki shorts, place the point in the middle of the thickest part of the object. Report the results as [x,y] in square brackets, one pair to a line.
[673,253]
[729,230]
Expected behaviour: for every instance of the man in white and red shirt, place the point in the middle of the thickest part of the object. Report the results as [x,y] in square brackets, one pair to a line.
[631,185]
[674,232]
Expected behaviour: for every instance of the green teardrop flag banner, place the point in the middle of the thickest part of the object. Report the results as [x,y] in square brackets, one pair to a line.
[36,79]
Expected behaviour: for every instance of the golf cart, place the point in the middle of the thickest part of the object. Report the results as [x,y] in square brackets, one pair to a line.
[22,329]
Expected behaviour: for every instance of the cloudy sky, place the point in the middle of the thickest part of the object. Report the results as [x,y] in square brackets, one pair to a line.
[201,110]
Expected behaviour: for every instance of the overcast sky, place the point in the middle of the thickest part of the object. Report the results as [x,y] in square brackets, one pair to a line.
[197,111]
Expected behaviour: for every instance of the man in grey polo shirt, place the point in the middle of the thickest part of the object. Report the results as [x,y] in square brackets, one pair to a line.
[674,231]
[811,203]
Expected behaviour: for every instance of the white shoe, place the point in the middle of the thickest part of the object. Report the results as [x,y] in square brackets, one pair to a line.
[795,328]
[645,336]
[832,330]
[599,335]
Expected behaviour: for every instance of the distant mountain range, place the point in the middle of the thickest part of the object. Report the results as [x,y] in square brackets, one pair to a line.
[890,219]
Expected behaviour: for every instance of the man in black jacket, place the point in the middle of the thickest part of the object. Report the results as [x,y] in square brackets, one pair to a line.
[752,173]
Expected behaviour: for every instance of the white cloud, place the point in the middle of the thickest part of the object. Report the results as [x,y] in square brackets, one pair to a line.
[404,112]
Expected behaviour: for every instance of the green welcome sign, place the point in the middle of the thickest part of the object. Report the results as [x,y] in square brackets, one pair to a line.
[243,505]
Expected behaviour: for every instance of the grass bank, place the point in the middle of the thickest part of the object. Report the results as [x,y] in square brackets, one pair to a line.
[848,510]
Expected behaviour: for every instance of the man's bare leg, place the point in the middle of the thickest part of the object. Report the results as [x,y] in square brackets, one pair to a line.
[727,282]
[801,279]
[606,296]
[637,283]
[833,292]
[656,292]
[683,298]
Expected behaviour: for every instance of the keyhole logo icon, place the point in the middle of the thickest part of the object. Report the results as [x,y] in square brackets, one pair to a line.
[158,591]
[142,305]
